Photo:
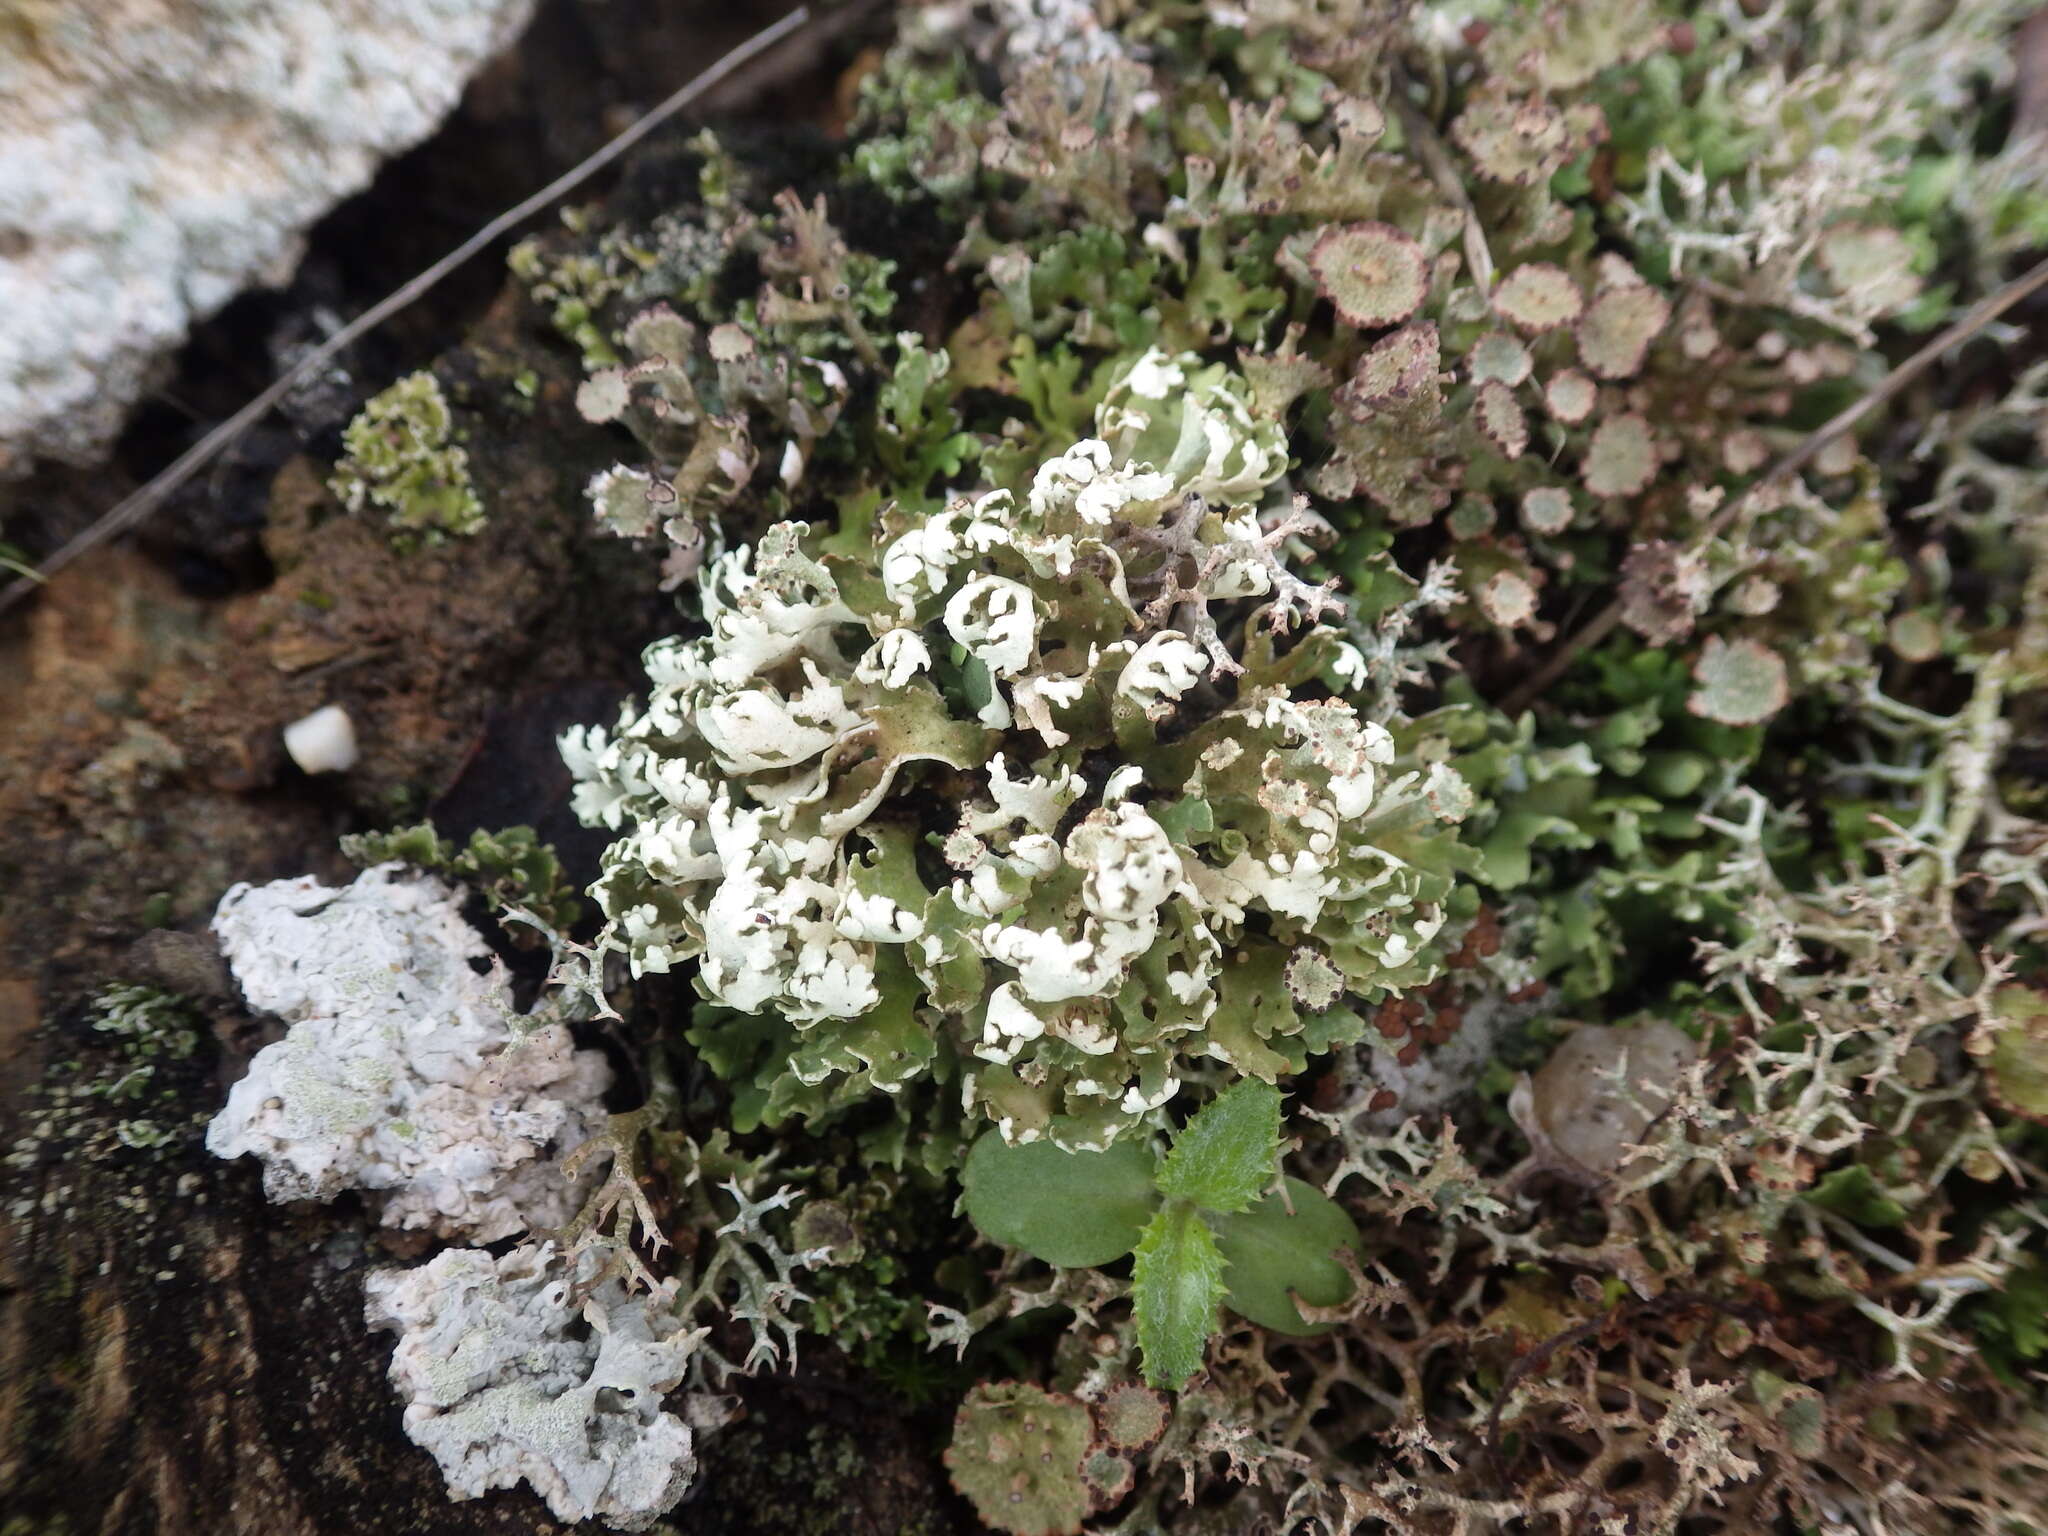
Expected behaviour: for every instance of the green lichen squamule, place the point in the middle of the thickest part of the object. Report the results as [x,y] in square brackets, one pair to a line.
[402,457]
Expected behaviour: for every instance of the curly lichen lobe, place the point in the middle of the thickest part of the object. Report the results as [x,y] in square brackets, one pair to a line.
[403,457]
[1055,785]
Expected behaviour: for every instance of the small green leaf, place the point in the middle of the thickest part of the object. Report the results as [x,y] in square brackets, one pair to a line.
[1271,1253]
[1175,1286]
[1073,1209]
[1854,1193]
[1224,1156]
[2012,1322]
[977,684]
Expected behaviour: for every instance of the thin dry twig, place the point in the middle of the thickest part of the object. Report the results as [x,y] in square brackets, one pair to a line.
[1623,1314]
[1602,624]
[137,506]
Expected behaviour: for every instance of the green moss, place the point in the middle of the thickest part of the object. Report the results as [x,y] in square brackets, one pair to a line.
[512,867]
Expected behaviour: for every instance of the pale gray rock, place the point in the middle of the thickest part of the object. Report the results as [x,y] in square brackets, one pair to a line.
[157,157]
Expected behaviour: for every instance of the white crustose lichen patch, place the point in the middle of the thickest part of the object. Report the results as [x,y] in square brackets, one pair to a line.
[506,1379]
[406,1070]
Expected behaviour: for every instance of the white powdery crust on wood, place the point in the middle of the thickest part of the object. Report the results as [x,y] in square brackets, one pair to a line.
[159,156]
[406,1070]
[503,1379]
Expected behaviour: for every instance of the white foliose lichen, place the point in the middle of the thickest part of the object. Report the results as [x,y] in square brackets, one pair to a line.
[505,1377]
[1032,795]
[406,1070]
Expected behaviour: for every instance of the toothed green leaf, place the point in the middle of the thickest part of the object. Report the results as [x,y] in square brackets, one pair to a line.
[1176,1286]
[1224,1157]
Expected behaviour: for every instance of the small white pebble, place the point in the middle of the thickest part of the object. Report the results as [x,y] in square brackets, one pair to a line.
[323,742]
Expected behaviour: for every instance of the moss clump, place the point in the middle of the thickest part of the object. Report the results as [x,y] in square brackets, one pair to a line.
[511,868]
[121,1089]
